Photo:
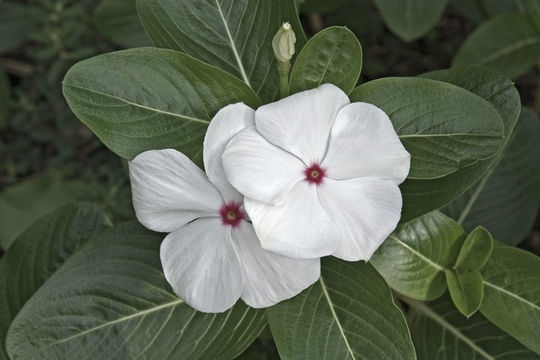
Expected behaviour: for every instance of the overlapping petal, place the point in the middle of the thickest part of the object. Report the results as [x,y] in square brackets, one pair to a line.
[228,122]
[365,210]
[300,228]
[301,123]
[169,190]
[260,170]
[363,143]
[201,263]
[270,278]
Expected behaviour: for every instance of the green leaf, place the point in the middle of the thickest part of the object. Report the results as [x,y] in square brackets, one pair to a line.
[348,314]
[421,196]
[22,204]
[17,22]
[4,95]
[333,55]
[147,98]
[111,300]
[475,250]
[410,19]
[506,200]
[532,9]
[413,259]
[512,295]
[508,42]
[322,6]
[235,36]
[466,289]
[444,127]
[441,332]
[38,252]
[117,20]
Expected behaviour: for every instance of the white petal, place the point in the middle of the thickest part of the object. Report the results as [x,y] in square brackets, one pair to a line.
[228,122]
[202,265]
[270,278]
[301,123]
[366,210]
[259,169]
[363,143]
[300,228]
[169,190]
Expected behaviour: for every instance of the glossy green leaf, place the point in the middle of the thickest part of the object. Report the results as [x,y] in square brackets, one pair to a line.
[22,204]
[512,295]
[147,98]
[38,252]
[235,36]
[410,19]
[17,22]
[480,10]
[466,290]
[532,9]
[333,55]
[475,250]
[508,42]
[506,200]
[118,21]
[441,332]
[413,259]
[444,127]
[348,314]
[420,196]
[4,95]
[111,300]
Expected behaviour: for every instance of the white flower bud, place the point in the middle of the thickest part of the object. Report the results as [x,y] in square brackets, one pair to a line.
[283,43]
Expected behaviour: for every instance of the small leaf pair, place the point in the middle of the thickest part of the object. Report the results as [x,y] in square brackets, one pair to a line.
[465,282]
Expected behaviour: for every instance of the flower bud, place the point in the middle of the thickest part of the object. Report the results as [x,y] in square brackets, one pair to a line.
[283,43]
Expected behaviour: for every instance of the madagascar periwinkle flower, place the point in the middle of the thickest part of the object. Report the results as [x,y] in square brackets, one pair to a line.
[211,256]
[320,175]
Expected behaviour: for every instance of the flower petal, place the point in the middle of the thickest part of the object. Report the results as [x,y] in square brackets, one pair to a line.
[301,123]
[201,264]
[363,143]
[300,228]
[259,169]
[228,122]
[169,190]
[270,278]
[366,211]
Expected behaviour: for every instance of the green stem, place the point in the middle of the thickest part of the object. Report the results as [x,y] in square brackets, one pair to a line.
[283,70]
[283,85]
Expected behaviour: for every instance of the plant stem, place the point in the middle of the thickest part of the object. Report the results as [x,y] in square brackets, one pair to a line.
[283,85]
[283,69]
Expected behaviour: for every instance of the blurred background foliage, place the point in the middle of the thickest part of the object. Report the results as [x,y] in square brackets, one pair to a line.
[48,158]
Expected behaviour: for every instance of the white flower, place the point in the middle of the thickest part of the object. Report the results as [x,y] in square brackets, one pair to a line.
[211,256]
[320,175]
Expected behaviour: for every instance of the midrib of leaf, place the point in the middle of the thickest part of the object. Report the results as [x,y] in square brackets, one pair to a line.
[515,296]
[420,255]
[328,63]
[468,207]
[449,327]
[507,50]
[233,46]
[184,117]
[336,319]
[119,320]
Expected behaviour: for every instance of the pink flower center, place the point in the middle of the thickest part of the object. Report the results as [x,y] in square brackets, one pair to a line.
[314,174]
[232,213]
